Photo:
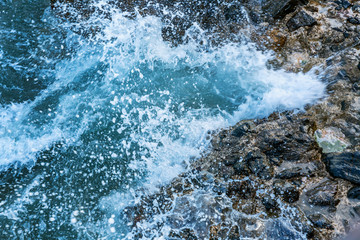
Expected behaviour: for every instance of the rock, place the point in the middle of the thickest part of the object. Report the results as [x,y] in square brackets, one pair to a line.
[231,160]
[345,166]
[241,189]
[331,140]
[259,165]
[343,4]
[356,8]
[278,9]
[287,191]
[353,20]
[242,129]
[297,171]
[354,193]
[320,221]
[323,193]
[233,13]
[301,19]
[291,194]
[241,168]
[271,206]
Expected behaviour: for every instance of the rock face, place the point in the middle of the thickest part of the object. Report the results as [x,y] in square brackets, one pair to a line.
[323,193]
[286,176]
[301,19]
[345,166]
[354,193]
[281,8]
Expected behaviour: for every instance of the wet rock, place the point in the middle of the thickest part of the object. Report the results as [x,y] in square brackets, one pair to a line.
[297,171]
[243,129]
[301,19]
[241,189]
[231,160]
[343,4]
[287,191]
[183,234]
[280,8]
[354,193]
[291,173]
[233,13]
[357,210]
[241,168]
[270,204]
[345,166]
[259,165]
[320,221]
[226,172]
[290,194]
[354,20]
[323,193]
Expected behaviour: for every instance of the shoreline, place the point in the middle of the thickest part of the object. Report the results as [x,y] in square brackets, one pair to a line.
[287,176]
[308,162]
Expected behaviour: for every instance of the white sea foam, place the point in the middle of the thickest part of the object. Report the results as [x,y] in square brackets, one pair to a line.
[160,101]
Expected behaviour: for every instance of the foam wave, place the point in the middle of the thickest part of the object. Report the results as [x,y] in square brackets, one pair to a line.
[129,100]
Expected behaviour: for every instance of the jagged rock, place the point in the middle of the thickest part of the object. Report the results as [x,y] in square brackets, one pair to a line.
[345,166]
[354,193]
[259,165]
[241,168]
[243,129]
[183,234]
[270,204]
[242,189]
[297,171]
[354,20]
[320,221]
[301,19]
[231,160]
[288,192]
[323,193]
[343,4]
[280,8]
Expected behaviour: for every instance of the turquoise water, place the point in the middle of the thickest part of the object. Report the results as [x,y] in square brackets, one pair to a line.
[87,119]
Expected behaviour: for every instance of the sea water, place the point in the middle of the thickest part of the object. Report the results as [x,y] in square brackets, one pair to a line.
[95,118]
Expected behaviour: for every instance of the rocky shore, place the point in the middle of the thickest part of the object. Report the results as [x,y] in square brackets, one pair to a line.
[293,175]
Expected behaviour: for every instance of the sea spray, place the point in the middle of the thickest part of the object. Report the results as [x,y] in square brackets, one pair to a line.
[122,110]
